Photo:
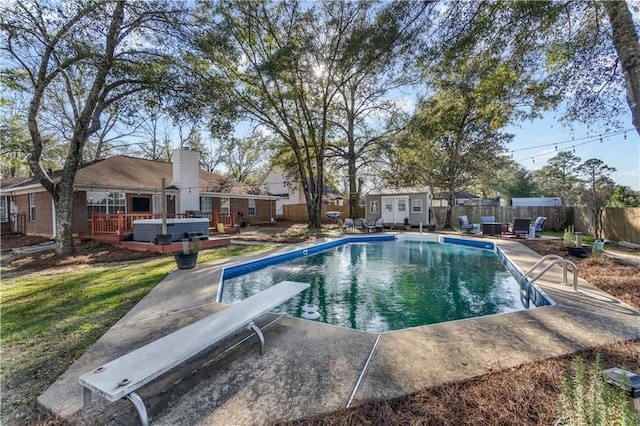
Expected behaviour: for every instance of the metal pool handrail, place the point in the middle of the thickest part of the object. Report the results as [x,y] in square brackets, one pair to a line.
[524,291]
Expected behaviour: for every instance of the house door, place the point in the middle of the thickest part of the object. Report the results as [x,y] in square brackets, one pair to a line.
[394,209]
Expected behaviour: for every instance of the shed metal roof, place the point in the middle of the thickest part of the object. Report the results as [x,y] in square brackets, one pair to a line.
[400,190]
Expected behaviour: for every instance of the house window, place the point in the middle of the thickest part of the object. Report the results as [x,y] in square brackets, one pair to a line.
[374,207]
[252,207]
[416,206]
[32,207]
[206,204]
[105,202]
[3,210]
[224,205]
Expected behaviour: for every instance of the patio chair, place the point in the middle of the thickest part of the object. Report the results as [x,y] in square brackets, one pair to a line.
[487,219]
[464,224]
[345,225]
[540,223]
[359,224]
[520,227]
[370,225]
[379,225]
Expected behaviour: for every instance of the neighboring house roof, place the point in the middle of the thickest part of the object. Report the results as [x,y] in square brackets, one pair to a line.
[326,191]
[458,195]
[6,183]
[400,190]
[136,173]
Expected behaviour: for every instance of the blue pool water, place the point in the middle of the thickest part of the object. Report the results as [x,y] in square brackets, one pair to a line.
[380,286]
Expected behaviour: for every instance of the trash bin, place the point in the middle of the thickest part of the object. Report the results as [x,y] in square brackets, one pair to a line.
[532,232]
[237,228]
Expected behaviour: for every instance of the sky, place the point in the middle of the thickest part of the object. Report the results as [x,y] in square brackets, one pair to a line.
[614,150]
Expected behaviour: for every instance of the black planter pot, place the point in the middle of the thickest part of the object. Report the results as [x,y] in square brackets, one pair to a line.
[186,261]
[580,252]
[164,239]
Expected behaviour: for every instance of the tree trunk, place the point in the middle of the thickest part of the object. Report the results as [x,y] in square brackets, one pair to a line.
[354,188]
[625,40]
[64,207]
[447,221]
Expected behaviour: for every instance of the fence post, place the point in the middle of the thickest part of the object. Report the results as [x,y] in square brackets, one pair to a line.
[120,230]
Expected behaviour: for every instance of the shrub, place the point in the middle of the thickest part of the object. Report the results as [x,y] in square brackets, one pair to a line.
[587,398]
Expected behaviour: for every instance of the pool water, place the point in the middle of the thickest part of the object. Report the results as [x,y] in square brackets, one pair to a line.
[390,285]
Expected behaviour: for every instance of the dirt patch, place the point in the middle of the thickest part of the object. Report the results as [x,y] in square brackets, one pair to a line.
[86,253]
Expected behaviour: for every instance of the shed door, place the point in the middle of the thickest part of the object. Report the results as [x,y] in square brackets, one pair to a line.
[394,209]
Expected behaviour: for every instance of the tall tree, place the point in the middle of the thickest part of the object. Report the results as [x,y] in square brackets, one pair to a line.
[520,184]
[625,40]
[597,188]
[376,61]
[281,59]
[624,196]
[98,53]
[583,59]
[457,132]
[559,177]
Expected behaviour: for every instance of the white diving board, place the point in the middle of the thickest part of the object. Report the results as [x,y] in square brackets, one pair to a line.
[121,377]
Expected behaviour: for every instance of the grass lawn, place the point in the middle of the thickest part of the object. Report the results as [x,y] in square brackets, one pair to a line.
[50,319]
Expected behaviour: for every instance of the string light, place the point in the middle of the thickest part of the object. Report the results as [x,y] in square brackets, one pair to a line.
[587,140]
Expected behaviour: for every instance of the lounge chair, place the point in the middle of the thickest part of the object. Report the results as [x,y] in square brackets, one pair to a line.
[520,227]
[540,223]
[464,224]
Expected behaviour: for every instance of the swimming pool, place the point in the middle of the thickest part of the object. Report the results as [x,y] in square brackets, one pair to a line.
[386,283]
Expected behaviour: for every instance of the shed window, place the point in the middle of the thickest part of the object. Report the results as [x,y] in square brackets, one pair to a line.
[416,206]
[374,207]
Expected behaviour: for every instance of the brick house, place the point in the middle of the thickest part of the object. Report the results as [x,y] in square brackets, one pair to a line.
[132,185]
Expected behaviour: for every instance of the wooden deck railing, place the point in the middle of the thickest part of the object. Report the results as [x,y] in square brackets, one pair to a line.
[122,223]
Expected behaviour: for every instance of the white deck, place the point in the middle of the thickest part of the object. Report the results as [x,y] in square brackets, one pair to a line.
[127,373]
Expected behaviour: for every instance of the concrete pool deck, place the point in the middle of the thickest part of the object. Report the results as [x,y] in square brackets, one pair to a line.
[310,368]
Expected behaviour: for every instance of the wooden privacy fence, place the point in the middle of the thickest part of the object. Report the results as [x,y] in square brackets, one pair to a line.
[558,218]
[298,212]
[619,223]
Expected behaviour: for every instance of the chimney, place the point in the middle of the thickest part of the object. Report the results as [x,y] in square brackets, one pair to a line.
[186,176]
